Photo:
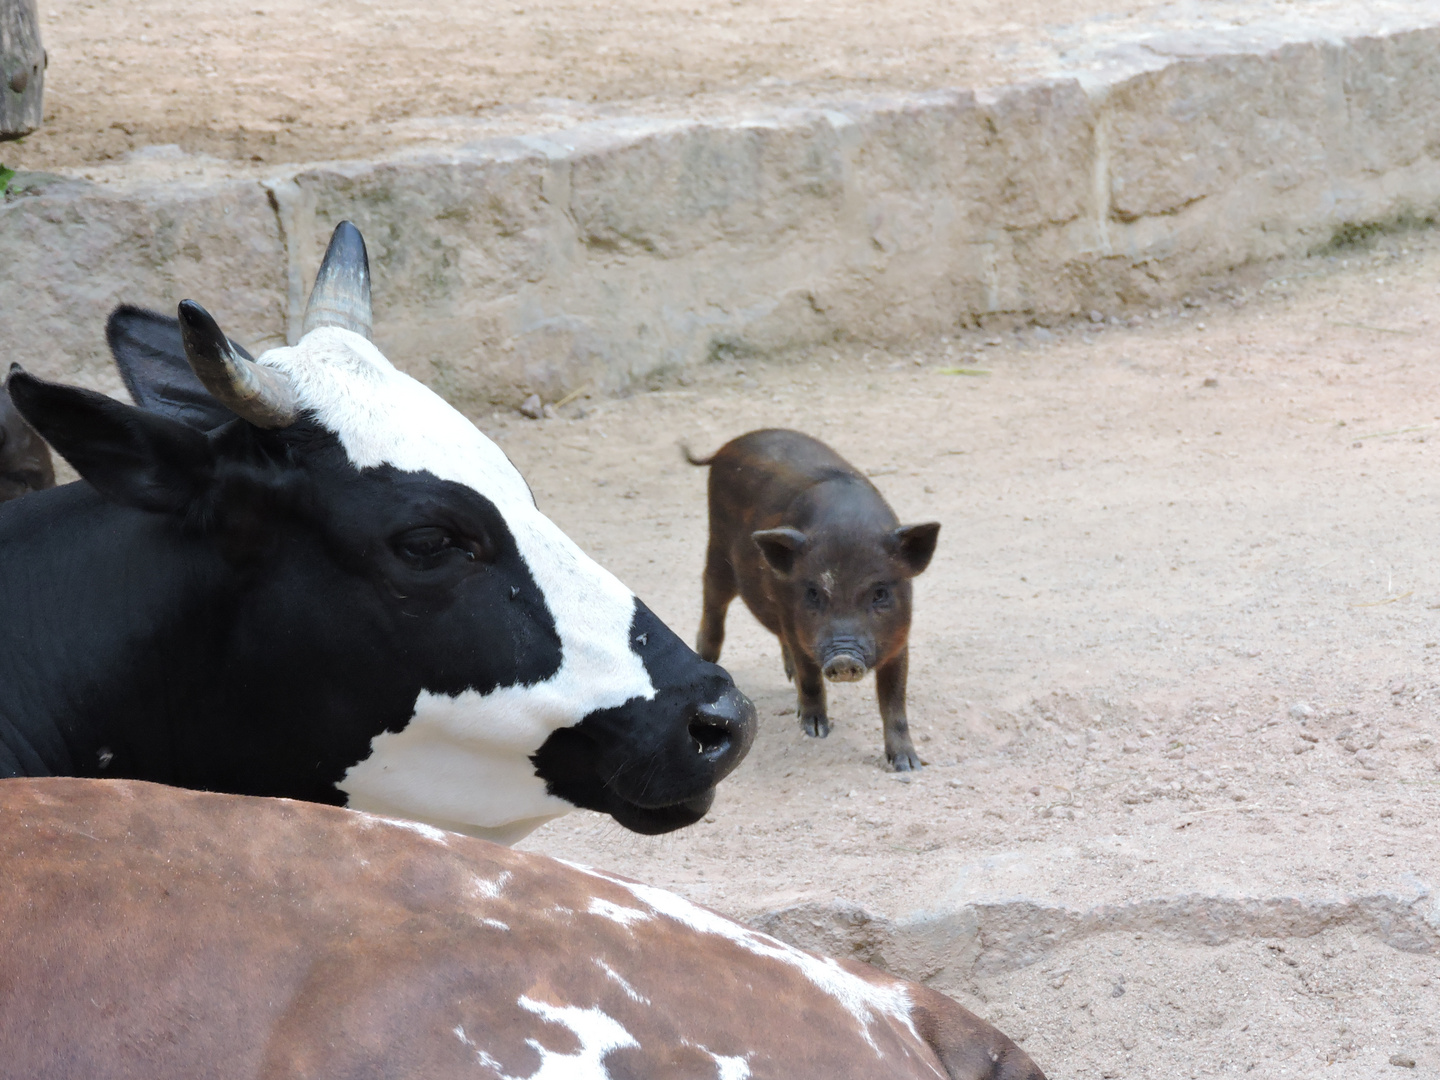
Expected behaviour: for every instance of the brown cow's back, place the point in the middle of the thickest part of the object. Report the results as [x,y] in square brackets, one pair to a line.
[151,932]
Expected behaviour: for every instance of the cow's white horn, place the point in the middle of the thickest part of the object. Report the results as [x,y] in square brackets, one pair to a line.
[255,393]
[341,296]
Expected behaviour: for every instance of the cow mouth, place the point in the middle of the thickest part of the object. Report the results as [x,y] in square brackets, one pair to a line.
[653,820]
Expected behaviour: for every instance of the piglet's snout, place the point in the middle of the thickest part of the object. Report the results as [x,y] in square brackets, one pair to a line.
[844,667]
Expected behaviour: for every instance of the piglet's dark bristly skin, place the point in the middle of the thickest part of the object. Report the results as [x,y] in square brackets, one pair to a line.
[821,560]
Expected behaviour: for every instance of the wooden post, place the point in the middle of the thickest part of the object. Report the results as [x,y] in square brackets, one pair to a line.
[22,68]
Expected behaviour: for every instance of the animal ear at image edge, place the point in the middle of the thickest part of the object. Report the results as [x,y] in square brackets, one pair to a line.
[780,547]
[915,545]
[132,457]
[149,353]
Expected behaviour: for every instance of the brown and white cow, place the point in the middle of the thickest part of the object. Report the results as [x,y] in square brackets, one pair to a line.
[157,933]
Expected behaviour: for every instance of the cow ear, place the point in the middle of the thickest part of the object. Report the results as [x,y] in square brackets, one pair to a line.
[132,457]
[915,544]
[150,354]
[780,548]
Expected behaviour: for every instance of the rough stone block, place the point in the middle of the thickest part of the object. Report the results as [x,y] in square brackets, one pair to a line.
[71,250]
[756,184]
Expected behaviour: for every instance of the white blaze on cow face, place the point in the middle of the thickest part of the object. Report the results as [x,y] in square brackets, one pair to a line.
[463,762]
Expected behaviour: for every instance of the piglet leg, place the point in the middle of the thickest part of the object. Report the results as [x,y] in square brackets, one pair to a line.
[719,591]
[890,688]
[810,682]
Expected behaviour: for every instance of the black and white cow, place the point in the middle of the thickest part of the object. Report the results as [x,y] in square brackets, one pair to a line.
[307,575]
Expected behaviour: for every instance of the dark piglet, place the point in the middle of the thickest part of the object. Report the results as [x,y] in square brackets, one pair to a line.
[25,464]
[821,560]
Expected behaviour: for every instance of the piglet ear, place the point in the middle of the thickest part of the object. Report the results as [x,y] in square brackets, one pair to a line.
[915,544]
[131,456]
[780,547]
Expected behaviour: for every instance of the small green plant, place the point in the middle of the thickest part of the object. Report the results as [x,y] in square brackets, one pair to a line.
[6,175]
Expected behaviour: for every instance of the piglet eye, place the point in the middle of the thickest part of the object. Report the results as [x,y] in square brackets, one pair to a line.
[812,594]
[882,594]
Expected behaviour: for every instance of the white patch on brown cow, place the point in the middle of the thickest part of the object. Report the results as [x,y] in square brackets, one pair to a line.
[598,1034]
[731,1068]
[727,1068]
[484,889]
[827,582]
[623,915]
[622,982]
[861,999]
[427,831]
[481,1056]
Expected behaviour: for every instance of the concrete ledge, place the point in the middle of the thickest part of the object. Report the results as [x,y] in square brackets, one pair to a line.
[600,254]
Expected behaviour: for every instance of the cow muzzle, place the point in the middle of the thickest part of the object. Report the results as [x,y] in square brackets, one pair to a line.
[652,764]
[722,731]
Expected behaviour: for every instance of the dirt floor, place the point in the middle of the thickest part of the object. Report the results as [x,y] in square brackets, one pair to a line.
[265,81]
[1181,638]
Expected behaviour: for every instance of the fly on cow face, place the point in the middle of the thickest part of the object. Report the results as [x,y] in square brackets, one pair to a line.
[387,619]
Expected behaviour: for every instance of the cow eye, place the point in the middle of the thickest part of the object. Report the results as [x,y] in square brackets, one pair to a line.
[431,547]
[812,595]
[882,595]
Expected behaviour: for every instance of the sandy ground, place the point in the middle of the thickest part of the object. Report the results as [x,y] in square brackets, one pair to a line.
[265,81]
[1181,636]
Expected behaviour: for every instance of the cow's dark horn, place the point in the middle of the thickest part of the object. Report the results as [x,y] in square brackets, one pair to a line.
[253,392]
[341,296]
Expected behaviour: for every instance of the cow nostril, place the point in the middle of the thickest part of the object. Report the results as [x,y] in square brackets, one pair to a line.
[711,739]
[722,731]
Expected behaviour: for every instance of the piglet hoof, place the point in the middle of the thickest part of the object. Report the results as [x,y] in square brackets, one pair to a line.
[905,760]
[816,726]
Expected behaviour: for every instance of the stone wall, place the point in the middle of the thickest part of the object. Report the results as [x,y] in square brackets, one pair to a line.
[600,254]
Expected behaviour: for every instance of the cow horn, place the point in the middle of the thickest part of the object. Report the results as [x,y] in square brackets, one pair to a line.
[341,296]
[259,394]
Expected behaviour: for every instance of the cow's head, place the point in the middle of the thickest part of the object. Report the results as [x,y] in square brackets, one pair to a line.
[436,646]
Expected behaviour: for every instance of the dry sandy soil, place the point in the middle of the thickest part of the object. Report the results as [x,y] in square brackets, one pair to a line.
[268,81]
[1182,636]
